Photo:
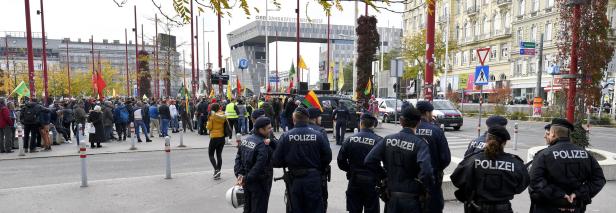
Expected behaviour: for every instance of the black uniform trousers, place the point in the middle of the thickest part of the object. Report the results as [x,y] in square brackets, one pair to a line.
[306,196]
[257,194]
[340,131]
[407,204]
[435,202]
[362,197]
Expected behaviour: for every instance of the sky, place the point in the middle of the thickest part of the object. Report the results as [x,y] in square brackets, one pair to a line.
[105,20]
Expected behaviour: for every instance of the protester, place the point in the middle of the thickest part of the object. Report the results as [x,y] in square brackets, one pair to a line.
[216,126]
[96,118]
[5,128]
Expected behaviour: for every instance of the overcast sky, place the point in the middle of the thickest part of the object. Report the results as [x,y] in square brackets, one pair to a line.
[105,20]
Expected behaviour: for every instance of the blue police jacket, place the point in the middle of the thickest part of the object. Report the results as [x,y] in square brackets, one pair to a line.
[476,145]
[319,129]
[439,149]
[253,159]
[354,150]
[341,114]
[405,158]
[302,148]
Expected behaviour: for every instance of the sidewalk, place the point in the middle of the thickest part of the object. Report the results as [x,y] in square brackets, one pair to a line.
[191,140]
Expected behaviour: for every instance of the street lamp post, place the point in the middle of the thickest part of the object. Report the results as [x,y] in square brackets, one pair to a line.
[43,42]
[30,52]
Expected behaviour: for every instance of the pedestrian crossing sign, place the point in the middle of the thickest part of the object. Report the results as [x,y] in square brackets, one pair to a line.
[481,75]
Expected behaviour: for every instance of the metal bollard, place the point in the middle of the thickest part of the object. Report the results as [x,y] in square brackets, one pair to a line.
[588,122]
[84,169]
[515,136]
[20,141]
[181,139]
[168,157]
[132,144]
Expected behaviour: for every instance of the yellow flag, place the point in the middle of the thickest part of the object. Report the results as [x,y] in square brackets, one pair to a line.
[330,77]
[229,95]
[302,64]
[340,75]
[113,93]
[212,93]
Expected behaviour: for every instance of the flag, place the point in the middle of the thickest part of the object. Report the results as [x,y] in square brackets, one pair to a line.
[330,78]
[290,85]
[113,93]
[302,64]
[229,95]
[212,93]
[100,84]
[21,90]
[368,89]
[239,87]
[340,76]
[184,91]
[292,70]
[311,100]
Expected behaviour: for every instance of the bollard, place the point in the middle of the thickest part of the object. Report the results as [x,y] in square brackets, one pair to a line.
[181,139]
[84,171]
[20,141]
[132,144]
[443,127]
[588,122]
[168,157]
[515,136]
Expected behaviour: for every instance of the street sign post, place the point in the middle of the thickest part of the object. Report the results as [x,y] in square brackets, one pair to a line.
[527,48]
[482,74]
[243,64]
[530,52]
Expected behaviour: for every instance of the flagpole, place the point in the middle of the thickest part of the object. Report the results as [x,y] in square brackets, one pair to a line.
[93,60]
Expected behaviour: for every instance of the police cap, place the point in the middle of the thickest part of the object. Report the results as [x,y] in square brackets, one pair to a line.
[366,115]
[424,106]
[302,110]
[313,113]
[411,114]
[496,120]
[262,122]
[257,113]
[500,132]
[560,122]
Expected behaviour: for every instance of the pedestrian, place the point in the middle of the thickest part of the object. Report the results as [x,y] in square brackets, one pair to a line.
[479,144]
[5,128]
[12,128]
[54,122]
[288,112]
[341,116]
[145,116]
[406,168]
[361,192]
[80,118]
[121,120]
[108,121]
[139,123]
[131,117]
[439,153]
[216,126]
[242,117]
[185,115]
[563,177]
[29,118]
[165,118]
[173,109]
[314,116]
[232,116]
[202,114]
[276,119]
[44,121]
[488,180]
[306,154]
[253,167]
[96,118]
[154,119]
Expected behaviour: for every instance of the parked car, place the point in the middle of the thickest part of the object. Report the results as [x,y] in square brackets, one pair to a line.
[444,113]
[519,100]
[331,102]
[388,109]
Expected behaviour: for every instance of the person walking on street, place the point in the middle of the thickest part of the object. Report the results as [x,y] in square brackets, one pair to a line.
[563,177]
[361,192]
[120,113]
[139,123]
[5,128]
[485,188]
[165,117]
[154,119]
[242,115]
[173,109]
[108,121]
[96,118]
[341,116]
[29,118]
[80,118]
[44,120]
[216,126]
[12,128]
[232,116]
[202,114]
[185,115]
[402,163]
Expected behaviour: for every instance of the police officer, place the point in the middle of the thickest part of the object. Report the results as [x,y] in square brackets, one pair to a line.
[341,116]
[305,153]
[253,167]
[439,152]
[564,177]
[315,124]
[487,180]
[479,144]
[406,166]
[361,194]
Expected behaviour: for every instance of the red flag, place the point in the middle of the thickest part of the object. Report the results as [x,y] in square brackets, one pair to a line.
[239,87]
[100,84]
[290,86]
[95,81]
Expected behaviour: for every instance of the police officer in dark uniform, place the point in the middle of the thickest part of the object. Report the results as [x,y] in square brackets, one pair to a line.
[479,143]
[361,194]
[407,167]
[564,177]
[253,167]
[439,152]
[305,152]
[487,180]
[341,116]
[315,124]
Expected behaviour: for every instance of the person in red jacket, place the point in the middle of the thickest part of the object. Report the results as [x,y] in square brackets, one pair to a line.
[5,128]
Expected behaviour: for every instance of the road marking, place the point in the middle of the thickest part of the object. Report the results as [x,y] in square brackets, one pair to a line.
[456,142]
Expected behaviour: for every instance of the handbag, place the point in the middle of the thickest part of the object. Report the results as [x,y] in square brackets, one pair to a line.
[228,130]
[90,128]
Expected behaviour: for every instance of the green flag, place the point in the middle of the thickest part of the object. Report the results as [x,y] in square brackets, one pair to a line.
[184,92]
[22,89]
[292,70]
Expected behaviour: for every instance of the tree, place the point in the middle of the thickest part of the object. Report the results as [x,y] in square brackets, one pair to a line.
[367,43]
[144,78]
[414,51]
[388,56]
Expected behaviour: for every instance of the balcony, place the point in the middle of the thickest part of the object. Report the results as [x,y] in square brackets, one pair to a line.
[503,2]
[472,10]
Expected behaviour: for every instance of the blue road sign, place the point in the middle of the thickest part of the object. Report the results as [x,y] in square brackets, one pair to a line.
[274,79]
[243,64]
[554,70]
[527,51]
[482,74]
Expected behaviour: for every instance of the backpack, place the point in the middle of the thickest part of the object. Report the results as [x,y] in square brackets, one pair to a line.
[30,116]
[124,115]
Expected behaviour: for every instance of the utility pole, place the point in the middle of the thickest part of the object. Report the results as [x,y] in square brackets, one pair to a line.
[192,48]
[219,52]
[136,54]
[355,51]
[540,71]
[328,65]
[157,81]
[196,80]
[68,68]
[43,42]
[126,57]
[430,50]
[266,71]
[298,74]
[30,52]
[446,53]
[573,64]
[93,60]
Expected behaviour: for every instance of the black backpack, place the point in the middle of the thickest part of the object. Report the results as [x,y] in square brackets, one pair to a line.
[30,116]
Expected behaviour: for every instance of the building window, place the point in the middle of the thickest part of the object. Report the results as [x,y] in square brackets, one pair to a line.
[507,20]
[533,68]
[548,31]
[473,55]
[520,38]
[486,26]
[504,51]
[477,30]
[521,7]
[493,52]
[467,32]
[535,5]
[550,3]
[533,31]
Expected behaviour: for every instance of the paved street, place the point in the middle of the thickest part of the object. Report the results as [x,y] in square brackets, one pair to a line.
[127,181]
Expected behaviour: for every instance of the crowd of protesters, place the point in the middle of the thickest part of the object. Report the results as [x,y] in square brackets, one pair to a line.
[71,120]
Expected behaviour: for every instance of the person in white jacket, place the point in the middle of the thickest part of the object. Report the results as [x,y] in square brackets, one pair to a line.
[175,126]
